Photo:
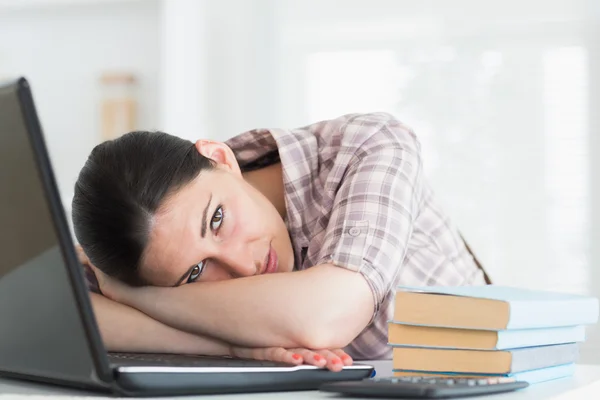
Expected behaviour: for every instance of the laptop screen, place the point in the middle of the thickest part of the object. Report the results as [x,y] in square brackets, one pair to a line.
[47,329]
[26,225]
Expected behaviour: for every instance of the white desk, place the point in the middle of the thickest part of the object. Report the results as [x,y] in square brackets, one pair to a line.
[584,385]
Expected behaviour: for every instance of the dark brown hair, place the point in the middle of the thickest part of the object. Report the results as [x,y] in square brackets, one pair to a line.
[120,188]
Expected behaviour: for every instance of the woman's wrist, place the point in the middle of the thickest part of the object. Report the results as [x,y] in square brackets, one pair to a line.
[138,297]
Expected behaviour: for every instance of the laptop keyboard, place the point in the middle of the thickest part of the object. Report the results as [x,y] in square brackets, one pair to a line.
[179,360]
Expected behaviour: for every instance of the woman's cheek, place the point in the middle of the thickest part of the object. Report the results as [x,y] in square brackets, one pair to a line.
[216,273]
[235,219]
[244,219]
[229,223]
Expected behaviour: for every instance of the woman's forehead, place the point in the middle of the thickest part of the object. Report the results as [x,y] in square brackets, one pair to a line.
[170,241]
[187,195]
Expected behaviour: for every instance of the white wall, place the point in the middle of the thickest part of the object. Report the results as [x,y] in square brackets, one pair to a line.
[502,96]
[219,66]
[594,167]
[494,151]
[184,62]
[243,65]
[204,71]
[63,50]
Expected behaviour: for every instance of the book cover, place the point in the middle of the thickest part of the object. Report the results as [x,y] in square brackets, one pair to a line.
[492,307]
[454,338]
[483,361]
[532,376]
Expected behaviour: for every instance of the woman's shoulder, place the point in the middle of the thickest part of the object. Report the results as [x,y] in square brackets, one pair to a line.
[346,134]
[365,132]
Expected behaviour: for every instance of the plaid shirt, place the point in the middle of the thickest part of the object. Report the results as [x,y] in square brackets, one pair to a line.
[356,197]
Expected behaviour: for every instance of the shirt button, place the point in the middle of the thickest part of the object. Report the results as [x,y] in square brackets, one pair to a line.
[354,231]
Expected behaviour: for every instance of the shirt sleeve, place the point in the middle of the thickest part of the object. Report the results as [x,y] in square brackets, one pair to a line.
[374,211]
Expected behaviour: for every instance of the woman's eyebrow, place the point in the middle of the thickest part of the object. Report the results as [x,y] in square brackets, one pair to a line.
[203,234]
[203,231]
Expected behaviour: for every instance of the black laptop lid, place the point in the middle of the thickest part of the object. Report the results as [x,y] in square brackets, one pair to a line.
[47,329]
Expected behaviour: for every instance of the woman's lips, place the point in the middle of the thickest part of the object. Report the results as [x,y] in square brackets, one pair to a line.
[272,262]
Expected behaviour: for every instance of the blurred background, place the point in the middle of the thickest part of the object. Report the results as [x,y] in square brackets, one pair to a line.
[501,94]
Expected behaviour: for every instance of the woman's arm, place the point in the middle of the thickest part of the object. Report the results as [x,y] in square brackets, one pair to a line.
[319,308]
[127,329]
[123,328]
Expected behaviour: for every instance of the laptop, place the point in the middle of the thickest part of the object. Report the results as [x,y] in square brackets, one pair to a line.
[48,331]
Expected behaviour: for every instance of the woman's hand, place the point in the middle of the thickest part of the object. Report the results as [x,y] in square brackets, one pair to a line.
[109,286]
[83,259]
[333,360]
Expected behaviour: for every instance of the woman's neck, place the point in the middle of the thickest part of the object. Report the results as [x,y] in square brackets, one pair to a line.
[269,181]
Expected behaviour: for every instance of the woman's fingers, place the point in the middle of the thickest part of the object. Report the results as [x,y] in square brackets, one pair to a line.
[322,358]
[81,255]
[346,359]
[334,362]
[311,357]
[276,354]
[83,258]
[279,354]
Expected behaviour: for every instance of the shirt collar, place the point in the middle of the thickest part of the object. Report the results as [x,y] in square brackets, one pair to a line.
[297,152]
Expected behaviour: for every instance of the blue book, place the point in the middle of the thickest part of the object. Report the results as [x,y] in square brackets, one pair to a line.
[532,376]
[492,307]
[453,338]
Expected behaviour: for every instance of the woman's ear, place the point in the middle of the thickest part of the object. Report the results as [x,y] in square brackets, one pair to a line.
[220,153]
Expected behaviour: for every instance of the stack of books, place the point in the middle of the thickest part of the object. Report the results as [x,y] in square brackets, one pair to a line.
[488,331]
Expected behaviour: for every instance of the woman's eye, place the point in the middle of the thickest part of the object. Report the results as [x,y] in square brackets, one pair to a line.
[196,272]
[217,219]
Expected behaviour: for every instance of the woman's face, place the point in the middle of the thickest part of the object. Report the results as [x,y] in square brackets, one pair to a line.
[217,227]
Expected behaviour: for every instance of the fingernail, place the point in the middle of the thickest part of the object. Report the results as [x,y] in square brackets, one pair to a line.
[346,358]
[318,357]
[336,361]
[296,356]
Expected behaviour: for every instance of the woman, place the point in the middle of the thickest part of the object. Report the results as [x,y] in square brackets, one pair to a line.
[278,244]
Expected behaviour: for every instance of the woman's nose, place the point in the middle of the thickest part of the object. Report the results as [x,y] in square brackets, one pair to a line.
[240,263]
